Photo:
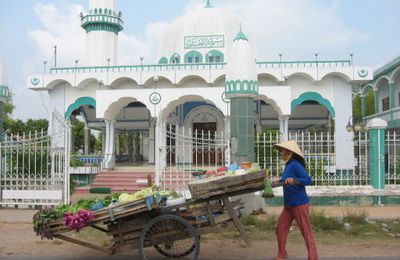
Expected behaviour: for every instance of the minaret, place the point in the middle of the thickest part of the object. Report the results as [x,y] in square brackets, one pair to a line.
[102,25]
[4,95]
[241,87]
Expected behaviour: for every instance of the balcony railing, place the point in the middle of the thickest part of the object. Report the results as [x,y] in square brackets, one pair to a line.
[197,66]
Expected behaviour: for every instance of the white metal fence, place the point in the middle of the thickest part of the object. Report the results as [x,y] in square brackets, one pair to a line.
[188,151]
[34,166]
[319,150]
[392,158]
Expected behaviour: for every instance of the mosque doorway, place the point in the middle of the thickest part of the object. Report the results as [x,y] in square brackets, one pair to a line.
[205,155]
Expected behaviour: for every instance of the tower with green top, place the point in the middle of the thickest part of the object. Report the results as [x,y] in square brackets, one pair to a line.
[241,87]
[102,24]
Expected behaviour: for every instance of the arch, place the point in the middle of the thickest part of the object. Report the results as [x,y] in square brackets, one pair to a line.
[395,73]
[182,80]
[193,57]
[170,107]
[338,74]
[163,60]
[219,78]
[114,108]
[54,83]
[120,80]
[175,59]
[366,87]
[271,102]
[380,81]
[267,75]
[82,101]
[313,96]
[211,110]
[84,83]
[302,74]
[214,56]
[149,81]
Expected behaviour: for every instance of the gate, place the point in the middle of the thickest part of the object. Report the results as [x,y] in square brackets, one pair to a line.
[187,151]
[34,166]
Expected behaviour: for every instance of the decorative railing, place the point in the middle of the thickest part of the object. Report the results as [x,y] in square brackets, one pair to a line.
[197,66]
[304,64]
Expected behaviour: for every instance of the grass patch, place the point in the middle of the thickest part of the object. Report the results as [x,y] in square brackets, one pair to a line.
[321,222]
[355,217]
[262,224]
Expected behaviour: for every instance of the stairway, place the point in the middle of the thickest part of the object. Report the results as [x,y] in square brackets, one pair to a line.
[119,181]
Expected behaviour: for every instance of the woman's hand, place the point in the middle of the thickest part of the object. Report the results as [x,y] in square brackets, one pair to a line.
[289,181]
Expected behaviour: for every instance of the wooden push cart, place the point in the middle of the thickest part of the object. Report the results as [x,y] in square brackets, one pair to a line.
[172,231]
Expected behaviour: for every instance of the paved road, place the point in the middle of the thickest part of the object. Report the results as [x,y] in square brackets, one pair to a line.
[135,258]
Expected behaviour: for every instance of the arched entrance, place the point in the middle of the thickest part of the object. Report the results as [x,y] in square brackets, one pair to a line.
[197,123]
[128,134]
[85,137]
[310,111]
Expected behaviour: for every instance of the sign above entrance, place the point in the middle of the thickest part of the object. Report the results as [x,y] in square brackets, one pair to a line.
[206,41]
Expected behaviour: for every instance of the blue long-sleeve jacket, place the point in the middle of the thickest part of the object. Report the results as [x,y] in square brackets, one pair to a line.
[295,194]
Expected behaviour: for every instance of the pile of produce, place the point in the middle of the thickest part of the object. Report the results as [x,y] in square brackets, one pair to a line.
[233,169]
[77,221]
[78,215]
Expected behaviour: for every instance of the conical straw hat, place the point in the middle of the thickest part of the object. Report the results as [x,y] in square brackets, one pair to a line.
[291,146]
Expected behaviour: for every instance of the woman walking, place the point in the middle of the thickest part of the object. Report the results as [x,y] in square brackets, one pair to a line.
[296,201]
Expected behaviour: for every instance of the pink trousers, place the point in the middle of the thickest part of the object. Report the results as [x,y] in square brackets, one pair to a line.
[302,216]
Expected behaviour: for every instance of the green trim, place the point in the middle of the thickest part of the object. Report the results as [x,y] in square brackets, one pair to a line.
[136,68]
[214,54]
[241,36]
[217,65]
[82,101]
[388,67]
[297,64]
[193,54]
[241,87]
[163,60]
[314,96]
[394,123]
[102,22]
[173,57]
[4,91]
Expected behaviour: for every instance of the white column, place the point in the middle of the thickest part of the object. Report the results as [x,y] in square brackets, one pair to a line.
[152,131]
[227,126]
[109,157]
[103,141]
[284,126]
[343,140]
[160,152]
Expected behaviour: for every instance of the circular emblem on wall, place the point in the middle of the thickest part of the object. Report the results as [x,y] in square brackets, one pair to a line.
[155,98]
[363,73]
[224,97]
[35,81]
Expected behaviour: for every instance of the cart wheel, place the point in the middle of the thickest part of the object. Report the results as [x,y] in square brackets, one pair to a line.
[172,236]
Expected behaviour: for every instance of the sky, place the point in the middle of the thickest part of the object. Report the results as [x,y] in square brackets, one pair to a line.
[30,28]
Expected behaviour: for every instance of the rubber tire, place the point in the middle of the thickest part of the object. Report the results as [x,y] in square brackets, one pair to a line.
[191,229]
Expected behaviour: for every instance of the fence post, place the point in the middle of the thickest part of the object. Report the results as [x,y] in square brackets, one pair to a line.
[376,131]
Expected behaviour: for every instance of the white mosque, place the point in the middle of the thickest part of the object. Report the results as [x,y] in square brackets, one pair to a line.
[207,78]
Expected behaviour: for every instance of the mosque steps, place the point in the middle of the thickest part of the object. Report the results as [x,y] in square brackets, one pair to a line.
[119,181]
